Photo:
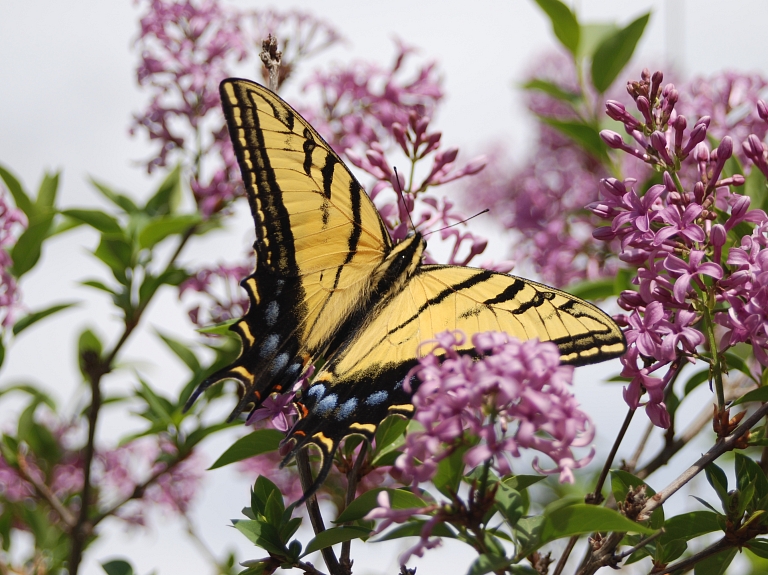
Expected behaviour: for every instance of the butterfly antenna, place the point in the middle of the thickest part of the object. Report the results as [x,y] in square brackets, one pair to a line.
[486,210]
[402,199]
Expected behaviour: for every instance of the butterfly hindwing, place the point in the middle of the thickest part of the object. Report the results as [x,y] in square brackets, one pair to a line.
[363,383]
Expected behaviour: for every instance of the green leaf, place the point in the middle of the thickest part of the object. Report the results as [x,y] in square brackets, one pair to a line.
[263,535]
[696,380]
[160,228]
[335,535]
[522,482]
[552,89]
[202,432]
[36,316]
[390,433]
[182,352]
[584,135]
[26,252]
[2,352]
[89,341]
[117,254]
[256,443]
[398,499]
[564,23]
[759,395]
[715,564]
[749,475]
[46,193]
[759,547]
[718,481]
[756,187]
[167,197]
[592,290]
[117,567]
[98,220]
[450,471]
[20,197]
[96,284]
[219,329]
[738,363]
[592,35]
[120,200]
[487,563]
[580,519]
[614,53]
[510,503]
[159,406]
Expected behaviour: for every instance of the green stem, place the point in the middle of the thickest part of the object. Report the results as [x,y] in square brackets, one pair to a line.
[716,368]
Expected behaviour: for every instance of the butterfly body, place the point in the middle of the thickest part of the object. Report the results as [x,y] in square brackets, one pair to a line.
[329,283]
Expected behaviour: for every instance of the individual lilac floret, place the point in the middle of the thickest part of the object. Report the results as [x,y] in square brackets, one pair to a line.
[516,386]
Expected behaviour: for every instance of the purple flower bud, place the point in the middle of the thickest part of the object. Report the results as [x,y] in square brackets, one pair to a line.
[669,183]
[679,126]
[718,235]
[615,110]
[704,120]
[630,299]
[645,109]
[398,131]
[659,143]
[612,139]
[762,110]
[603,233]
[656,81]
[635,257]
[724,151]
[698,192]
[613,186]
[701,154]
[697,136]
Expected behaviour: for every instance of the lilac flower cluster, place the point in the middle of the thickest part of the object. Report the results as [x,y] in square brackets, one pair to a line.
[187,48]
[12,223]
[517,397]
[674,234]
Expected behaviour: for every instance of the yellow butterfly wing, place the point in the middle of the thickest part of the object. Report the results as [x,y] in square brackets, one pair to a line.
[319,240]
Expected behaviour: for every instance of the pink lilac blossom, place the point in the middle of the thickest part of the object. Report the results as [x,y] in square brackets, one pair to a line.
[672,235]
[187,48]
[391,516]
[518,387]
[12,223]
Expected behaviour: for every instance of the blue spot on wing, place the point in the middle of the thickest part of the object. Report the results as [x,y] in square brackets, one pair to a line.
[270,345]
[347,408]
[376,398]
[326,404]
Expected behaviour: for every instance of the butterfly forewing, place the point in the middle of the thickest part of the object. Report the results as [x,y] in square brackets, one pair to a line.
[319,239]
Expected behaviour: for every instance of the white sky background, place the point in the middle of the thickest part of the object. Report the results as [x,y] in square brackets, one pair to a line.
[67,92]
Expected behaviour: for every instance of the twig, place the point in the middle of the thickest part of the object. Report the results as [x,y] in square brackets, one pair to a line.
[352,477]
[564,557]
[313,509]
[96,368]
[596,495]
[640,545]
[271,57]
[717,450]
[44,492]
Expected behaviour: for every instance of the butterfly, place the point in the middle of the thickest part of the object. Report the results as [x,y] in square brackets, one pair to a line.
[330,283]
